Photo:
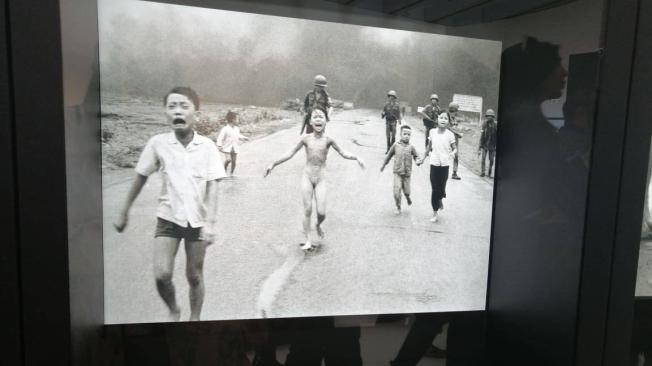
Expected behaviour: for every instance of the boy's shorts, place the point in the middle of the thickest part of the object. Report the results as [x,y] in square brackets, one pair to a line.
[402,181]
[168,229]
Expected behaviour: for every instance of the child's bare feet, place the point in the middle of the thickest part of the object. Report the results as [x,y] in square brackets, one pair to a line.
[320,232]
[175,315]
[306,246]
[409,201]
[397,211]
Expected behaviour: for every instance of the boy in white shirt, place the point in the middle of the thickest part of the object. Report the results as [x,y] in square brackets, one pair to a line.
[228,141]
[190,168]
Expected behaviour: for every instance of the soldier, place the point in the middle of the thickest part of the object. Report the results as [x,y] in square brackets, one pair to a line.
[488,141]
[317,97]
[430,114]
[392,115]
[453,126]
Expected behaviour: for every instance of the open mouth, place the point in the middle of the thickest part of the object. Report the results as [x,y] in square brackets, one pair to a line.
[178,121]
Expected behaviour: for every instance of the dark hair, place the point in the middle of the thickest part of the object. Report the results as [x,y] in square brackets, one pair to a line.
[406,127]
[525,66]
[230,116]
[319,108]
[183,90]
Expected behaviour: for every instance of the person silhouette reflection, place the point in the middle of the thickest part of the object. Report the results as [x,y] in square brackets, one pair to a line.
[538,208]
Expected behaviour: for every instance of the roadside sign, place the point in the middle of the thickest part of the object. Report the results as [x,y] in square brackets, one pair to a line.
[469,103]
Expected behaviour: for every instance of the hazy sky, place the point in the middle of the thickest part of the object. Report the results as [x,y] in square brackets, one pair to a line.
[145,46]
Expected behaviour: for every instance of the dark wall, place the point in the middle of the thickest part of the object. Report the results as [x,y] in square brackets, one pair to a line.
[10,335]
[35,56]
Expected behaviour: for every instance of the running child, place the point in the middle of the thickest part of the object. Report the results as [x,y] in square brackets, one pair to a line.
[441,149]
[313,181]
[228,141]
[403,154]
[190,168]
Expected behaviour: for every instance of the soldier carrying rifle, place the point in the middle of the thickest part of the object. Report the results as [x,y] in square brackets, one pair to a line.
[318,97]
[430,114]
[392,115]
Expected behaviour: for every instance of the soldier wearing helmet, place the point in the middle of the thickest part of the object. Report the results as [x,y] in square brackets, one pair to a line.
[487,145]
[430,114]
[453,126]
[392,115]
[316,97]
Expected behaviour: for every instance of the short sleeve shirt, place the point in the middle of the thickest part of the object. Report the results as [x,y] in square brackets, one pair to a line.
[229,139]
[441,147]
[403,155]
[185,172]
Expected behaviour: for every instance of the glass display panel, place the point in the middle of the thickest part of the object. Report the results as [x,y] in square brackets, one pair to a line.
[218,201]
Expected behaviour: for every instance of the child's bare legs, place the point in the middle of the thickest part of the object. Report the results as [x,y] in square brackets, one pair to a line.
[398,182]
[165,249]
[307,190]
[405,183]
[195,253]
[227,161]
[234,156]
[320,200]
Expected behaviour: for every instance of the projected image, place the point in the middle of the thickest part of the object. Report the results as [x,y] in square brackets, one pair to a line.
[644,273]
[260,166]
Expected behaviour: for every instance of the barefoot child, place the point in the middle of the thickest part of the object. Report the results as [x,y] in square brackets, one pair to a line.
[228,141]
[441,149]
[189,166]
[313,182]
[403,154]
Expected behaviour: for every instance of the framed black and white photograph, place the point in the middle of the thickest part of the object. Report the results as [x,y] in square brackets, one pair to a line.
[257,166]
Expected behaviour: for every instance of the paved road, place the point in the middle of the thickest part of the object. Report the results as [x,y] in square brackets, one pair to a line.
[371,260]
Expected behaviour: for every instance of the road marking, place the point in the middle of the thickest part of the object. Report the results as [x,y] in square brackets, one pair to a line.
[275,282]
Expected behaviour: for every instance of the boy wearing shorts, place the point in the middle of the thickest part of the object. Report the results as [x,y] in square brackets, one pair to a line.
[190,168]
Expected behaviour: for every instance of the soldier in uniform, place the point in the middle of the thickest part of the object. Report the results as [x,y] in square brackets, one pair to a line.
[392,115]
[430,114]
[453,126]
[317,97]
[488,141]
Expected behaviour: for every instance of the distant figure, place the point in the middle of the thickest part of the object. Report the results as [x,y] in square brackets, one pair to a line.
[228,141]
[403,153]
[392,115]
[430,114]
[453,126]
[190,168]
[313,181]
[318,97]
[441,149]
[487,145]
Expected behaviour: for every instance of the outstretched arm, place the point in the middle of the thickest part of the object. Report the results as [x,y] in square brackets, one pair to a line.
[388,157]
[426,153]
[284,158]
[136,187]
[345,154]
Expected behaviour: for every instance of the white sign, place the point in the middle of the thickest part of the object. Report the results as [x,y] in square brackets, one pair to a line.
[468,103]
